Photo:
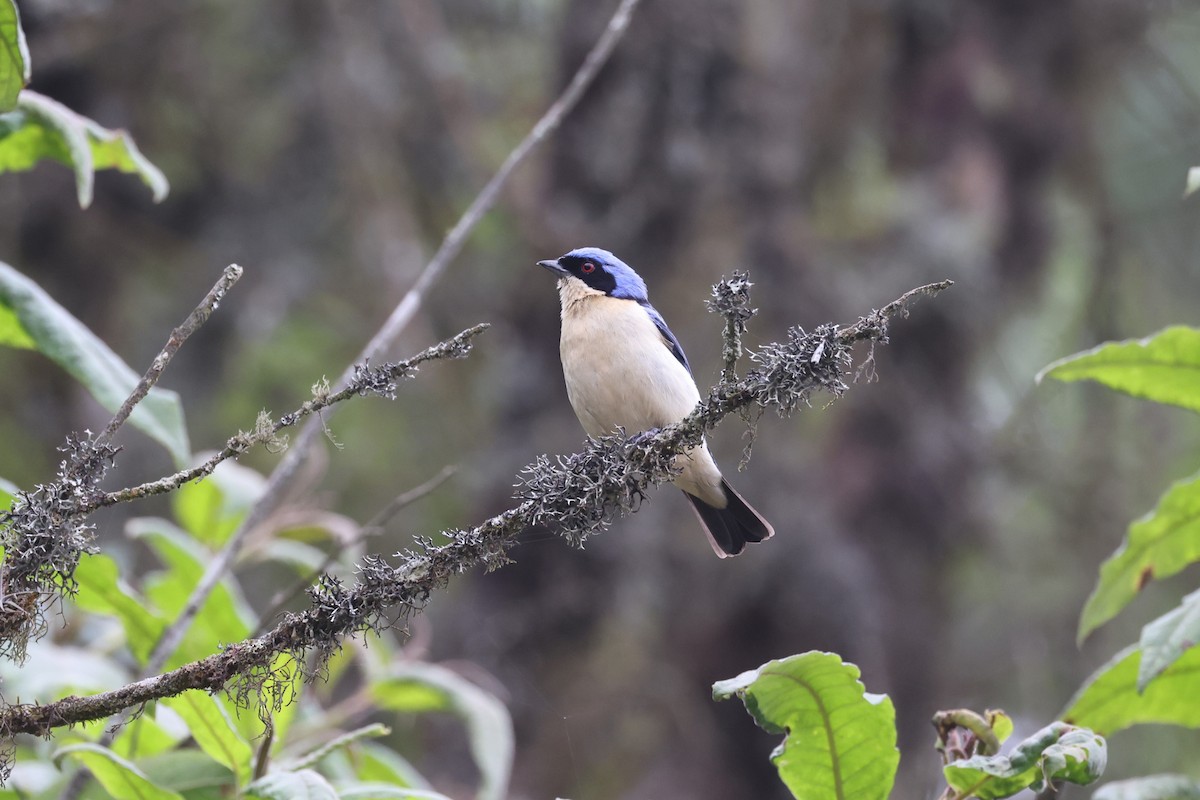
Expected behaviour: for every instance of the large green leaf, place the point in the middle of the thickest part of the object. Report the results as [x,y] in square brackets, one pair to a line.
[101,591]
[40,128]
[413,686]
[841,741]
[14,56]
[1151,787]
[120,778]
[1057,752]
[1166,638]
[1158,545]
[1164,367]
[1109,700]
[213,730]
[31,318]
[304,784]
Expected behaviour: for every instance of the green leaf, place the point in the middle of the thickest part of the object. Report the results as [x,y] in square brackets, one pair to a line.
[143,737]
[1164,367]
[40,128]
[214,731]
[377,763]
[211,509]
[101,591]
[191,772]
[1109,701]
[120,778]
[374,730]
[1151,787]
[224,617]
[415,686]
[841,741]
[1165,639]
[1057,752]
[67,341]
[385,791]
[14,56]
[302,785]
[1158,545]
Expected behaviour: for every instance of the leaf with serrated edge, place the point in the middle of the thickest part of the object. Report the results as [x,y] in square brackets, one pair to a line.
[1151,787]
[1166,638]
[1158,545]
[1108,701]
[1164,367]
[841,741]
[1056,752]
[120,778]
[66,341]
[213,730]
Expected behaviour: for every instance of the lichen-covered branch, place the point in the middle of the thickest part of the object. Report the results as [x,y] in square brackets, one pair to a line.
[44,534]
[578,494]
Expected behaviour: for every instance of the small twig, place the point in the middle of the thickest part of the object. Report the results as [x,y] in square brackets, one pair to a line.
[178,336]
[373,527]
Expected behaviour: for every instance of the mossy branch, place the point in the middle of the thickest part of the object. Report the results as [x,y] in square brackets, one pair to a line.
[579,494]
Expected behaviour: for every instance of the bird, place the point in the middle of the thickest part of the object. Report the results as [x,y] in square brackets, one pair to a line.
[624,369]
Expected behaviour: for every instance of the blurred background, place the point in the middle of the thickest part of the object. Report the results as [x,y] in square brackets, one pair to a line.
[940,526]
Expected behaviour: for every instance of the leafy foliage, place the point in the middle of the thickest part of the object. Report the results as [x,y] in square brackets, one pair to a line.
[30,318]
[40,128]
[1152,787]
[1109,700]
[841,740]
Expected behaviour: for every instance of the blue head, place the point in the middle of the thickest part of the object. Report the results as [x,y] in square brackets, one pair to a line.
[600,270]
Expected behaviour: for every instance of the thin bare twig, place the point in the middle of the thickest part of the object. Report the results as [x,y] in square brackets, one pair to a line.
[283,475]
[178,336]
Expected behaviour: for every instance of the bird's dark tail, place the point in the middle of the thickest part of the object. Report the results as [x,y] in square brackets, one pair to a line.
[730,528]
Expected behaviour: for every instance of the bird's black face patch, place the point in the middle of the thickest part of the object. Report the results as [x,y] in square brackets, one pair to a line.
[591,271]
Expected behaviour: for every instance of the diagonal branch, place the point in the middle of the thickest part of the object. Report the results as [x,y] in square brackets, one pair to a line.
[580,494]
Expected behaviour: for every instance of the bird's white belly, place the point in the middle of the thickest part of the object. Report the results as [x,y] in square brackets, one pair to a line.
[620,374]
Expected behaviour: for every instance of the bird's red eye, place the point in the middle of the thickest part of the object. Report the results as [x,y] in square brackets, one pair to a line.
[588,268]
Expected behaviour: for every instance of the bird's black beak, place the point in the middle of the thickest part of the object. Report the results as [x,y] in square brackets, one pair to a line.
[554,267]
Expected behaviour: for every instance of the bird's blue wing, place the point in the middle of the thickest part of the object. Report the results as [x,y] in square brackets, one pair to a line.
[668,338]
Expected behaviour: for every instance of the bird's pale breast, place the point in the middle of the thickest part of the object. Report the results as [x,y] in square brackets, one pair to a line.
[620,372]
